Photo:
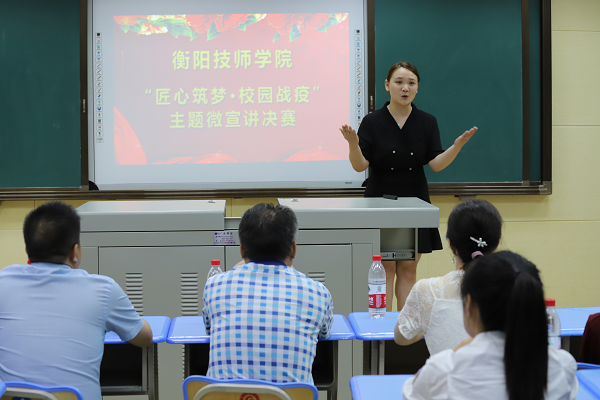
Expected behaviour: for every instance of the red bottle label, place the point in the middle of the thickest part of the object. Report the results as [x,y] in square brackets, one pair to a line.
[377,300]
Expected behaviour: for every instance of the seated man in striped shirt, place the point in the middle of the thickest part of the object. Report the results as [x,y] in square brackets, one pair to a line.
[265,317]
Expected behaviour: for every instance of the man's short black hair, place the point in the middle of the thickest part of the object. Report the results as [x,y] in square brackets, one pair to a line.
[268,232]
[50,232]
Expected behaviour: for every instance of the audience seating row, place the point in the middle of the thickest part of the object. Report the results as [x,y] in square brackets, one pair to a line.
[190,331]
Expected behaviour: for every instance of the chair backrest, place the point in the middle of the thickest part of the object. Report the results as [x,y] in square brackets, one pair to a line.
[589,351]
[582,365]
[17,390]
[199,387]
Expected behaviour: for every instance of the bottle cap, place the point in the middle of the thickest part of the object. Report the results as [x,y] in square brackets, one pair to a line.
[550,302]
[377,258]
[215,262]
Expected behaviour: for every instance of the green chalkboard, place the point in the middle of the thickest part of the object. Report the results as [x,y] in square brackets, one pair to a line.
[469,56]
[40,125]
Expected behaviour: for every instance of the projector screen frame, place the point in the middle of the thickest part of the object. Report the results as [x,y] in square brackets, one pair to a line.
[198,187]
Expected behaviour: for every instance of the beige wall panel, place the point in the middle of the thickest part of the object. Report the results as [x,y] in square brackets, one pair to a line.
[575,189]
[238,206]
[445,204]
[228,207]
[567,255]
[12,248]
[575,173]
[576,15]
[575,83]
[12,214]
[423,268]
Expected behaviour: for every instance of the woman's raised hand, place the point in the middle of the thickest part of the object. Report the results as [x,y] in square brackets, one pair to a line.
[350,135]
[464,138]
[358,161]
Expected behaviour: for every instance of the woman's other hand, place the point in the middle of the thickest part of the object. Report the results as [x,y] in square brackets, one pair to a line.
[464,138]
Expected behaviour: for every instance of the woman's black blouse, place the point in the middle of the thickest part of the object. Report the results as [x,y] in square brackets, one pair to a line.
[397,156]
[396,159]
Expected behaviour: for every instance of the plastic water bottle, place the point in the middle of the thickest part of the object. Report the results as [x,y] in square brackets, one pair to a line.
[553,324]
[215,268]
[376,289]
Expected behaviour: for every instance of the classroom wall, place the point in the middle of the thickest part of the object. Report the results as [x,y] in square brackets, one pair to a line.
[560,232]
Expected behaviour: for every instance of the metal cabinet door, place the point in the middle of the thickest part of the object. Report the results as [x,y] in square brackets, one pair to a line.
[332,266]
[162,281]
[89,259]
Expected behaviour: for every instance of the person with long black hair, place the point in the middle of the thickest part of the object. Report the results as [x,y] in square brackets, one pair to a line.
[434,306]
[508,357]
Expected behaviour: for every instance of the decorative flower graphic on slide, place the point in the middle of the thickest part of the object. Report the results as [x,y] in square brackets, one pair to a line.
[292,25]
[286,25]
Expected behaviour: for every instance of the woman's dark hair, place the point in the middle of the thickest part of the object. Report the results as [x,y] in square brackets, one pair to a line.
[477,219]
[50,232]
[509,294]
[405,65]
[268,232]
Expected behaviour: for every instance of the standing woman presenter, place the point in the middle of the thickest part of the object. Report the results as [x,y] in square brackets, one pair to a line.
[396,142]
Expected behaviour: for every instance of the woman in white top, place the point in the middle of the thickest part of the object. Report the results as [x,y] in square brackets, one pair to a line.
[434,307]
[508,357]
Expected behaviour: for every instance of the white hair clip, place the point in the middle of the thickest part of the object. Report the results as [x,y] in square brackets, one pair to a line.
[480,242]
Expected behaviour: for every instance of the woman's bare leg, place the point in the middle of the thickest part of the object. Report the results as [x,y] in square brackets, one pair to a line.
[406,277]
[390,274]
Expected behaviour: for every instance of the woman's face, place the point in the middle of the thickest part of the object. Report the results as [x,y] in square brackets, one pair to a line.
[402,87]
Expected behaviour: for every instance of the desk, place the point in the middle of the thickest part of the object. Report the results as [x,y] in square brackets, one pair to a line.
[370,387]
[572,322]
[190,332]
[127,369]
[376,331]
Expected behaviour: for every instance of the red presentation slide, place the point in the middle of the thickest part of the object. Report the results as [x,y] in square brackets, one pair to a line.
[230,88]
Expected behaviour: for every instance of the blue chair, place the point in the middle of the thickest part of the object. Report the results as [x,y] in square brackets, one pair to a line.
[199,387]
[2,388]
[581,365]
[17,390]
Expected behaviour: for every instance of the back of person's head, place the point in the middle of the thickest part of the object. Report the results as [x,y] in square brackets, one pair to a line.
[509,294]
[268,232]
[50,232]
[474,226]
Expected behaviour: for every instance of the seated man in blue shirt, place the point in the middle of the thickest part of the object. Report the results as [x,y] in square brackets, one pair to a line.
[53,316]
[264,317]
